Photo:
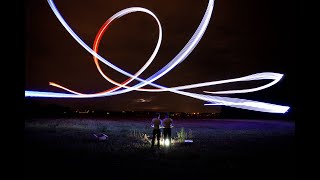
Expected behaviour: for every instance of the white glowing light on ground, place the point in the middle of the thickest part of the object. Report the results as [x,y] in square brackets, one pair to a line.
[167,142]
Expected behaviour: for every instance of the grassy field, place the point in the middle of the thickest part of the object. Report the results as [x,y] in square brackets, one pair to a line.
[62,148]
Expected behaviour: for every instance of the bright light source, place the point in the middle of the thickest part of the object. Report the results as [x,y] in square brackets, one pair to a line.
[167,142]
[188,141]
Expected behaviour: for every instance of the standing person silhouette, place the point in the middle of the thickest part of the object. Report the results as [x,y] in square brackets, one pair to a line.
[155,123]
[167,124]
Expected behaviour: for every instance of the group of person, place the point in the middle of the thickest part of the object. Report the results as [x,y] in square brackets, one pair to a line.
[166,124]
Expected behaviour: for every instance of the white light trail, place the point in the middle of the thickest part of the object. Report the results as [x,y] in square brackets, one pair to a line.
[180,57]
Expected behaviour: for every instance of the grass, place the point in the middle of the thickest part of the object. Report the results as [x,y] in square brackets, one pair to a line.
[67,146]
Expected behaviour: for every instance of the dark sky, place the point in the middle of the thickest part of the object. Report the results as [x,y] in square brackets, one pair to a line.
[243,37]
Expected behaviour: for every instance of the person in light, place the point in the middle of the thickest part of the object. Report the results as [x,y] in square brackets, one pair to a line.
[155,123]
[167,124]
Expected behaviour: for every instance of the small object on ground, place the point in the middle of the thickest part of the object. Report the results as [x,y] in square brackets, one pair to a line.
[101,136]
[146,138]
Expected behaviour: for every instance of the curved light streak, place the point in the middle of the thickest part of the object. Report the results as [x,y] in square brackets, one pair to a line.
[104,28]
[180,57]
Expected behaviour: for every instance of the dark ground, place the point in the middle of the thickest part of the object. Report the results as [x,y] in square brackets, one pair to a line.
[222,149]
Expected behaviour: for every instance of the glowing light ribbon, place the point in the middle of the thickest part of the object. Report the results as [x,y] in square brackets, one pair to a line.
[180,57]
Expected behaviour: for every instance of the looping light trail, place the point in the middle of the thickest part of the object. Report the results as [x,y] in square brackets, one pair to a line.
[121,88]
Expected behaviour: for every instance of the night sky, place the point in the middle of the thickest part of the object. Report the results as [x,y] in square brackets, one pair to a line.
[243,37]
